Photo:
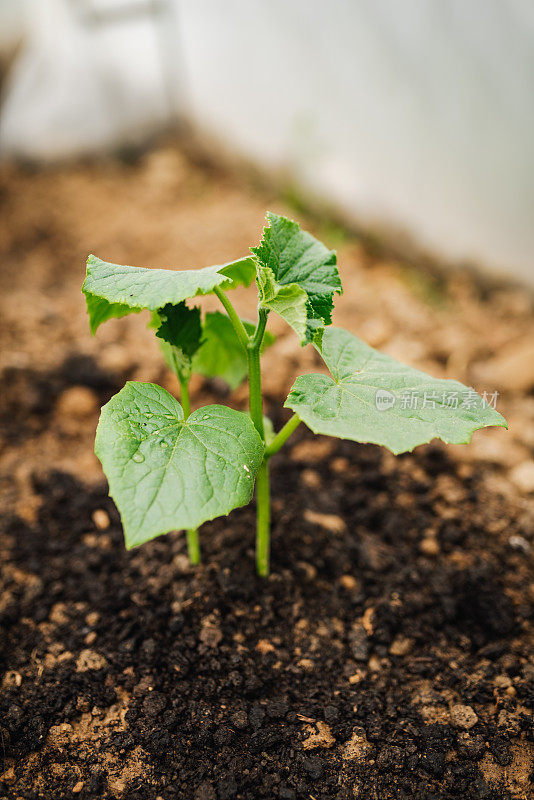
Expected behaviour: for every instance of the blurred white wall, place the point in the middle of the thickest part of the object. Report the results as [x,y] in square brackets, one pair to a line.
[12,23]
[415,116]
[92,74]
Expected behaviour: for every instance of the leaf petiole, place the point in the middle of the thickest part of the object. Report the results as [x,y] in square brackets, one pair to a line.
[234,318]
[282,436]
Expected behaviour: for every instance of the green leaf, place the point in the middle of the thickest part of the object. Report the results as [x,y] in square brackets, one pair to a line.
[181,331]
[180,327]
[297,276]
[112,290]
[221,353]
[373,398]
[289,302]
[166,473]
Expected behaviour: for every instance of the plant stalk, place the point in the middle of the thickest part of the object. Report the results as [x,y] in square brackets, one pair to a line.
[254,388]
[193,544]
[263,499]
[263,519]
[252,345]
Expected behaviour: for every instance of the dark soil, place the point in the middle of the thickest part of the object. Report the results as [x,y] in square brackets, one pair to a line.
[395,596]
[29,395]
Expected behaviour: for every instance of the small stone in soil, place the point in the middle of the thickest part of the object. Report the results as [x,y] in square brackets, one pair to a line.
[319,735]
[429,546]
[463,716]
[401,646]
[357,749]
[264,647]
[101,519]
[311,478]
[89,660]
[92,618]
[330,522]
[356,677]
[519,543]
[349,583]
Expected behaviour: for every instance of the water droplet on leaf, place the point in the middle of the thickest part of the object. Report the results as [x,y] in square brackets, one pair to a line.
[138,457]
[326,409]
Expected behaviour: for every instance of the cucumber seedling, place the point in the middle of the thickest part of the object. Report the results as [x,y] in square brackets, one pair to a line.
[170,469]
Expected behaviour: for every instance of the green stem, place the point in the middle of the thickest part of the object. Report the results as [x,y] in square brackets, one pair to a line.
[184,395]
[282,436]
[263,519]
[234,318]
[193,544]
[263,499]
[254,388]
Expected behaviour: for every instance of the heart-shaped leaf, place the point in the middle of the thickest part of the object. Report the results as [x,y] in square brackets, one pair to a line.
[297,276]
[371,397]
[166,473]
[113,290]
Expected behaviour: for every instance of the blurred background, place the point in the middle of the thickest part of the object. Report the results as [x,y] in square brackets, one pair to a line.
[413,120]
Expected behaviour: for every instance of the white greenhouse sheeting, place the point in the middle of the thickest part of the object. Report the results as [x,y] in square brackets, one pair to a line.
[82,84]
[414,116]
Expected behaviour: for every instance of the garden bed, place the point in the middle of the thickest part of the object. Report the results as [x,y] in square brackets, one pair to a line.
[389,654]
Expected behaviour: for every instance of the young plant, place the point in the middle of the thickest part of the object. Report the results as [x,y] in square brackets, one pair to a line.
[170,469]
